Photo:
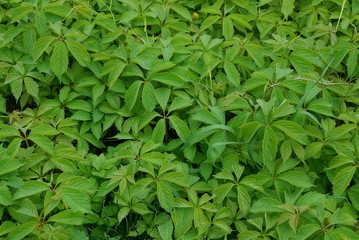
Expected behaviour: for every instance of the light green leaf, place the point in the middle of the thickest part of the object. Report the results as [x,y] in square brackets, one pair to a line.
[342,179]
[77,200]
[292,130]
[6,227]
[165,196]
[40,46]
[182,220]
[181,128]
[148,97]
[122,214]
[30,188]
[43,142]
[166,230]
[9,165]
[31,87]
[244,199]
[287,7]
[20,231]
[79,52]
[159,131]
[68,217]
[9,131]
[269,146]
[59,59]
[5,195]
[232,73]
[169,79]
[132,94]
[208,22]
[297,178]
[44,129]
[228,29]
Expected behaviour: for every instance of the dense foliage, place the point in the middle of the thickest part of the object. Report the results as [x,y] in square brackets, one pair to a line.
[176,119]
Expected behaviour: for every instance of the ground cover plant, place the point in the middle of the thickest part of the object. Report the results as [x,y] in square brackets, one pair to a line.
[174,119]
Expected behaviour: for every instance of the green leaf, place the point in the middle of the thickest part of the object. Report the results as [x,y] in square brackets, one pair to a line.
[148,97]
[132,94]
[165,196]
[9,165]
[77,200]
[6,227]
[249,129]
[162,96]
[40,46]
[159,131]
[182,11]
[9,131]
[169,79]
[269,147]
[244,199]
[20,231]
[59,59]
[44,129]
[292,130]
[208,22]
[166,230]
[342,179]
[16,88]
[116,68]
[181,128]
[287,8]
[122,214]
[67,217]
[31,188]
[31,87]
[296,178]
[182,220]
[221,191]
[79,52]
[43,142]
[5,195]
[232,73]
[228,29]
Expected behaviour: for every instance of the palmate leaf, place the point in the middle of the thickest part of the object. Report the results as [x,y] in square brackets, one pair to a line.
[59,58]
